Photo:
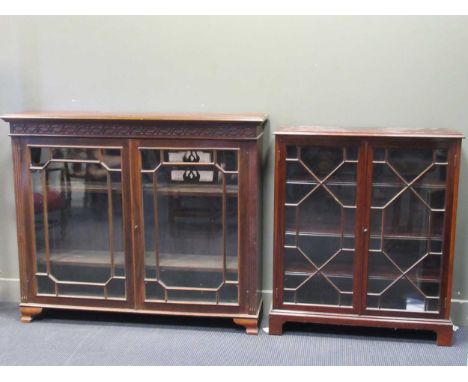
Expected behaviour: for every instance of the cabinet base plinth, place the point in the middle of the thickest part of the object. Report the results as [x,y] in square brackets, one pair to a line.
[443,328]
[29,313]
[445,336]
[275,325]
[250,324]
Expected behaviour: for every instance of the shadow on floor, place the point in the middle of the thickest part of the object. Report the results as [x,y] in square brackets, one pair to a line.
[132,319]
[291,328]
[223,324]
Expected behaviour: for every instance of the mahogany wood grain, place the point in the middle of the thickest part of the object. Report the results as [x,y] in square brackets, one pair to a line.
[135,117]
[129,133]
[250,324]
[359,313]
[28,313]
[324,131]
[443,328]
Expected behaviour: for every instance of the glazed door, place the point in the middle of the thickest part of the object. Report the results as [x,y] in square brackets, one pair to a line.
[79,243]
[317,203]
[189,203]
[407,244]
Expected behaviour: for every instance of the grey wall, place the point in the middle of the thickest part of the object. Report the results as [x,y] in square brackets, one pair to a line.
[349,71]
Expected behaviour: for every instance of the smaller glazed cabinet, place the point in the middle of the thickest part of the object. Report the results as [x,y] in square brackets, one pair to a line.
[364,227]
[154,214]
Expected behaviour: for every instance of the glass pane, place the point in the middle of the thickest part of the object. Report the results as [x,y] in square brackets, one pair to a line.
[319,248]
[409,163]
[195,296]
[320,214]
[318,290]
[339,270]
[291,152]
[386,185]
[229,293]
[190,204]
[78,222]
[76,153]
[321,160]
[342,184]
[298,183]
[227,160]
[407,214]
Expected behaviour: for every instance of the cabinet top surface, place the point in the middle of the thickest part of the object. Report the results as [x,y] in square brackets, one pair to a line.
[370,132]
[179,117]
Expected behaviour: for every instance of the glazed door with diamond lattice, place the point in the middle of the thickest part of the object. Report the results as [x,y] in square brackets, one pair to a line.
[319,227]
[406,243]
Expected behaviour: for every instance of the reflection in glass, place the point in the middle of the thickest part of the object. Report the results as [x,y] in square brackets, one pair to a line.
[406,228]
[319,222]
[77,199]
[190,204]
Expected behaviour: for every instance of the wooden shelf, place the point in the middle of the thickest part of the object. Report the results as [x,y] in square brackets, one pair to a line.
[346,274]
[436,186]
[166,261]
[347,235]
[196,189]
[215,190]
[320,234]
[82,187]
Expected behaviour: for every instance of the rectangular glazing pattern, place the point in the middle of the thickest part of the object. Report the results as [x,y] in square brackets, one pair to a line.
[190,213]
[406,229]
[320,213]
[78,225]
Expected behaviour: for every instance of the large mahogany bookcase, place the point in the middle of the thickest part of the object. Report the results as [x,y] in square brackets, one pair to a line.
[153,214]
[364,227]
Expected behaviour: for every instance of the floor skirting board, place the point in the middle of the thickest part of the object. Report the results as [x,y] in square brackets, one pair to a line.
[9,290]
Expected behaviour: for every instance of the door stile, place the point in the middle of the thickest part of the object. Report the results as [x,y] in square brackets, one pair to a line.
[136,223]
[361,230]
[126,216]
[278,266]
[364,226]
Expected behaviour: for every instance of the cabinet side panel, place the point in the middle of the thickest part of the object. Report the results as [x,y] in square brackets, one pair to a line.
[450,226]
[252,199]
[259,225]
[21,214]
